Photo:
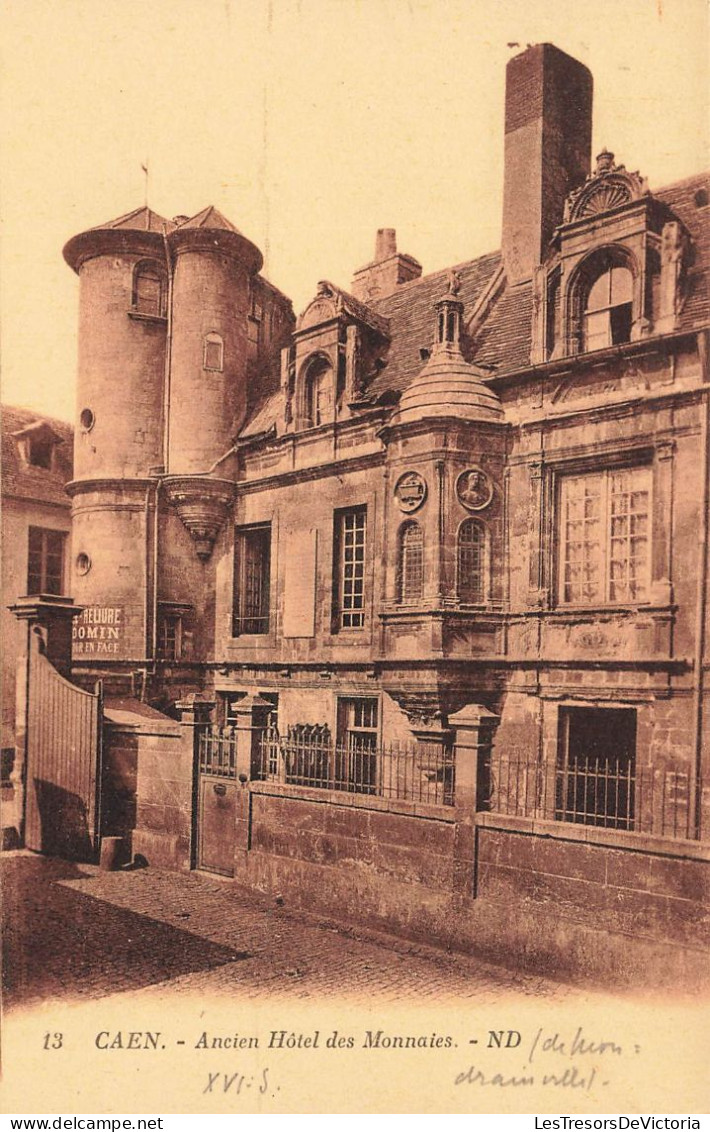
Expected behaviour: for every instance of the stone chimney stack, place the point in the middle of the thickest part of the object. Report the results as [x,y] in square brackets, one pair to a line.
[548,139]
[387,270]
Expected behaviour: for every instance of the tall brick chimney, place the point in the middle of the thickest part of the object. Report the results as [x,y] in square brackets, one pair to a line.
[387,270]
[548,140]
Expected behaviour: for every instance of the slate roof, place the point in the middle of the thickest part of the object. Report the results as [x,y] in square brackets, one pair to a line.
[24,481]
[502,339]
[410,310]
[139,220]
[210,217]
[680,198]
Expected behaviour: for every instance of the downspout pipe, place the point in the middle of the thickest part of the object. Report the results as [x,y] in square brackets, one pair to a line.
[696,775]
[168,354]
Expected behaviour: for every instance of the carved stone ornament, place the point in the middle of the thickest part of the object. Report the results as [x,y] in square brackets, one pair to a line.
[410,491]
[607,187]
[202,505]
[474,489]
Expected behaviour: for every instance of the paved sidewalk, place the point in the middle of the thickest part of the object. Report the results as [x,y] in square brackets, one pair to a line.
[71,931]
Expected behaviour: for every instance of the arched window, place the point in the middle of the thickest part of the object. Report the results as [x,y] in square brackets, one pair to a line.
[410,572]
[318,392]
[213,352]
[471,562]
[602,302]
[608,310]
[148,288]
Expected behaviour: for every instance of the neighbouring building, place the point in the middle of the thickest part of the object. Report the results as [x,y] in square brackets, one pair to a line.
[423,571]
[36,521]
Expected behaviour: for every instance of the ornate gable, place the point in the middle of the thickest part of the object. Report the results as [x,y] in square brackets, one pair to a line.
[608,187]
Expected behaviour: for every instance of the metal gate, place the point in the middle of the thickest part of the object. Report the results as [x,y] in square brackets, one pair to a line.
[217,801]
[63,759]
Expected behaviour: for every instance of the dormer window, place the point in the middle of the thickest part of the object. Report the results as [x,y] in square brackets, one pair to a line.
[616,271]
[608,312]
[39,450]
[148,289]
[318,392]
[36,445]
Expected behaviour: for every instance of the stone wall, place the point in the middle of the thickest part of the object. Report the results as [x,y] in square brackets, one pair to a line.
[148,782]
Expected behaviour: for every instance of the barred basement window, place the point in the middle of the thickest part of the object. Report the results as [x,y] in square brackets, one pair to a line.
[252,576]
[45,561]
[350,535]
[471,562]
[604,536]
[357,742]
[410,580]
[596,767]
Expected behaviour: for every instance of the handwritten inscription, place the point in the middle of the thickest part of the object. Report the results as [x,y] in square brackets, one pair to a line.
[574,1061]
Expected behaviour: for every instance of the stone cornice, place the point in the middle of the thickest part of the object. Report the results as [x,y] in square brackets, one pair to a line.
[109,483]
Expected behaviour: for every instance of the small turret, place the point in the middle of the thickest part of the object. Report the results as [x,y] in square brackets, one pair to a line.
[448,385]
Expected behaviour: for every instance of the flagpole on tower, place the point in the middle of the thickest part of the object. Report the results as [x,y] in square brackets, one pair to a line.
[145,170]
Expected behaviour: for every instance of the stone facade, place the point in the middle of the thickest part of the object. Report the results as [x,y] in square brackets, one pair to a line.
[480,490]
[36,554]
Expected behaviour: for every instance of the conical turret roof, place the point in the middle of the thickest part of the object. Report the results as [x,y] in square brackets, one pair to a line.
[139,220]
[210,217]
[140,232]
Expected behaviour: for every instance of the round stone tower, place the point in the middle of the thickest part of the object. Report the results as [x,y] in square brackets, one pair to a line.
[123,298]
[213,266]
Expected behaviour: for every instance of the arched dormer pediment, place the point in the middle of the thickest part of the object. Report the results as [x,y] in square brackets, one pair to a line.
[323,308]
[608,187]
[330,302]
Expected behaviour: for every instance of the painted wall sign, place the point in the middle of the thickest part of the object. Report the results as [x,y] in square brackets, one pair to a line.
[98,631]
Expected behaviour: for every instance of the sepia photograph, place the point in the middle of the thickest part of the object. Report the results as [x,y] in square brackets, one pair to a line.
[355,571]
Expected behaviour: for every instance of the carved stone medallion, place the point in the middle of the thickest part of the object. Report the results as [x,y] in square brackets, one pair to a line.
[410,491]
[474,489]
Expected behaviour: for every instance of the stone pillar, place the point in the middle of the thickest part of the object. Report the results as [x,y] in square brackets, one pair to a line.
[473,727]
[195,711]
[251,713]
[433,742]
[51,618]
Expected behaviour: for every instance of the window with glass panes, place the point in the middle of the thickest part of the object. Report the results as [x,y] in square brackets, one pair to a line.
[45,561]
[605,536]
[411,562]
[470,581]
[169,636]
[252,575]
[608,309]
[352,533]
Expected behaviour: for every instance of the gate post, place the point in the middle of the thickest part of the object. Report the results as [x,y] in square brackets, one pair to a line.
[251,714]
[52,617]
[473,726]
[194,712]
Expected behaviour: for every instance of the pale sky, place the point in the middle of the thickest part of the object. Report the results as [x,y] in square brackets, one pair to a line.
[309,123]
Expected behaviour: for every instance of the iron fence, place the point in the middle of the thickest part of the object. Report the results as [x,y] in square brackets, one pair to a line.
[308,755]
[604,792]
[217,751]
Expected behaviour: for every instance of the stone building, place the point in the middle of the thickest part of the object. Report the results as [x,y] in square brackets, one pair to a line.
[36,524]
[425,569]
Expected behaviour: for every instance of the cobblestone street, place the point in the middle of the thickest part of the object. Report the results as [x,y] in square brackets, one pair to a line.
[73,932]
